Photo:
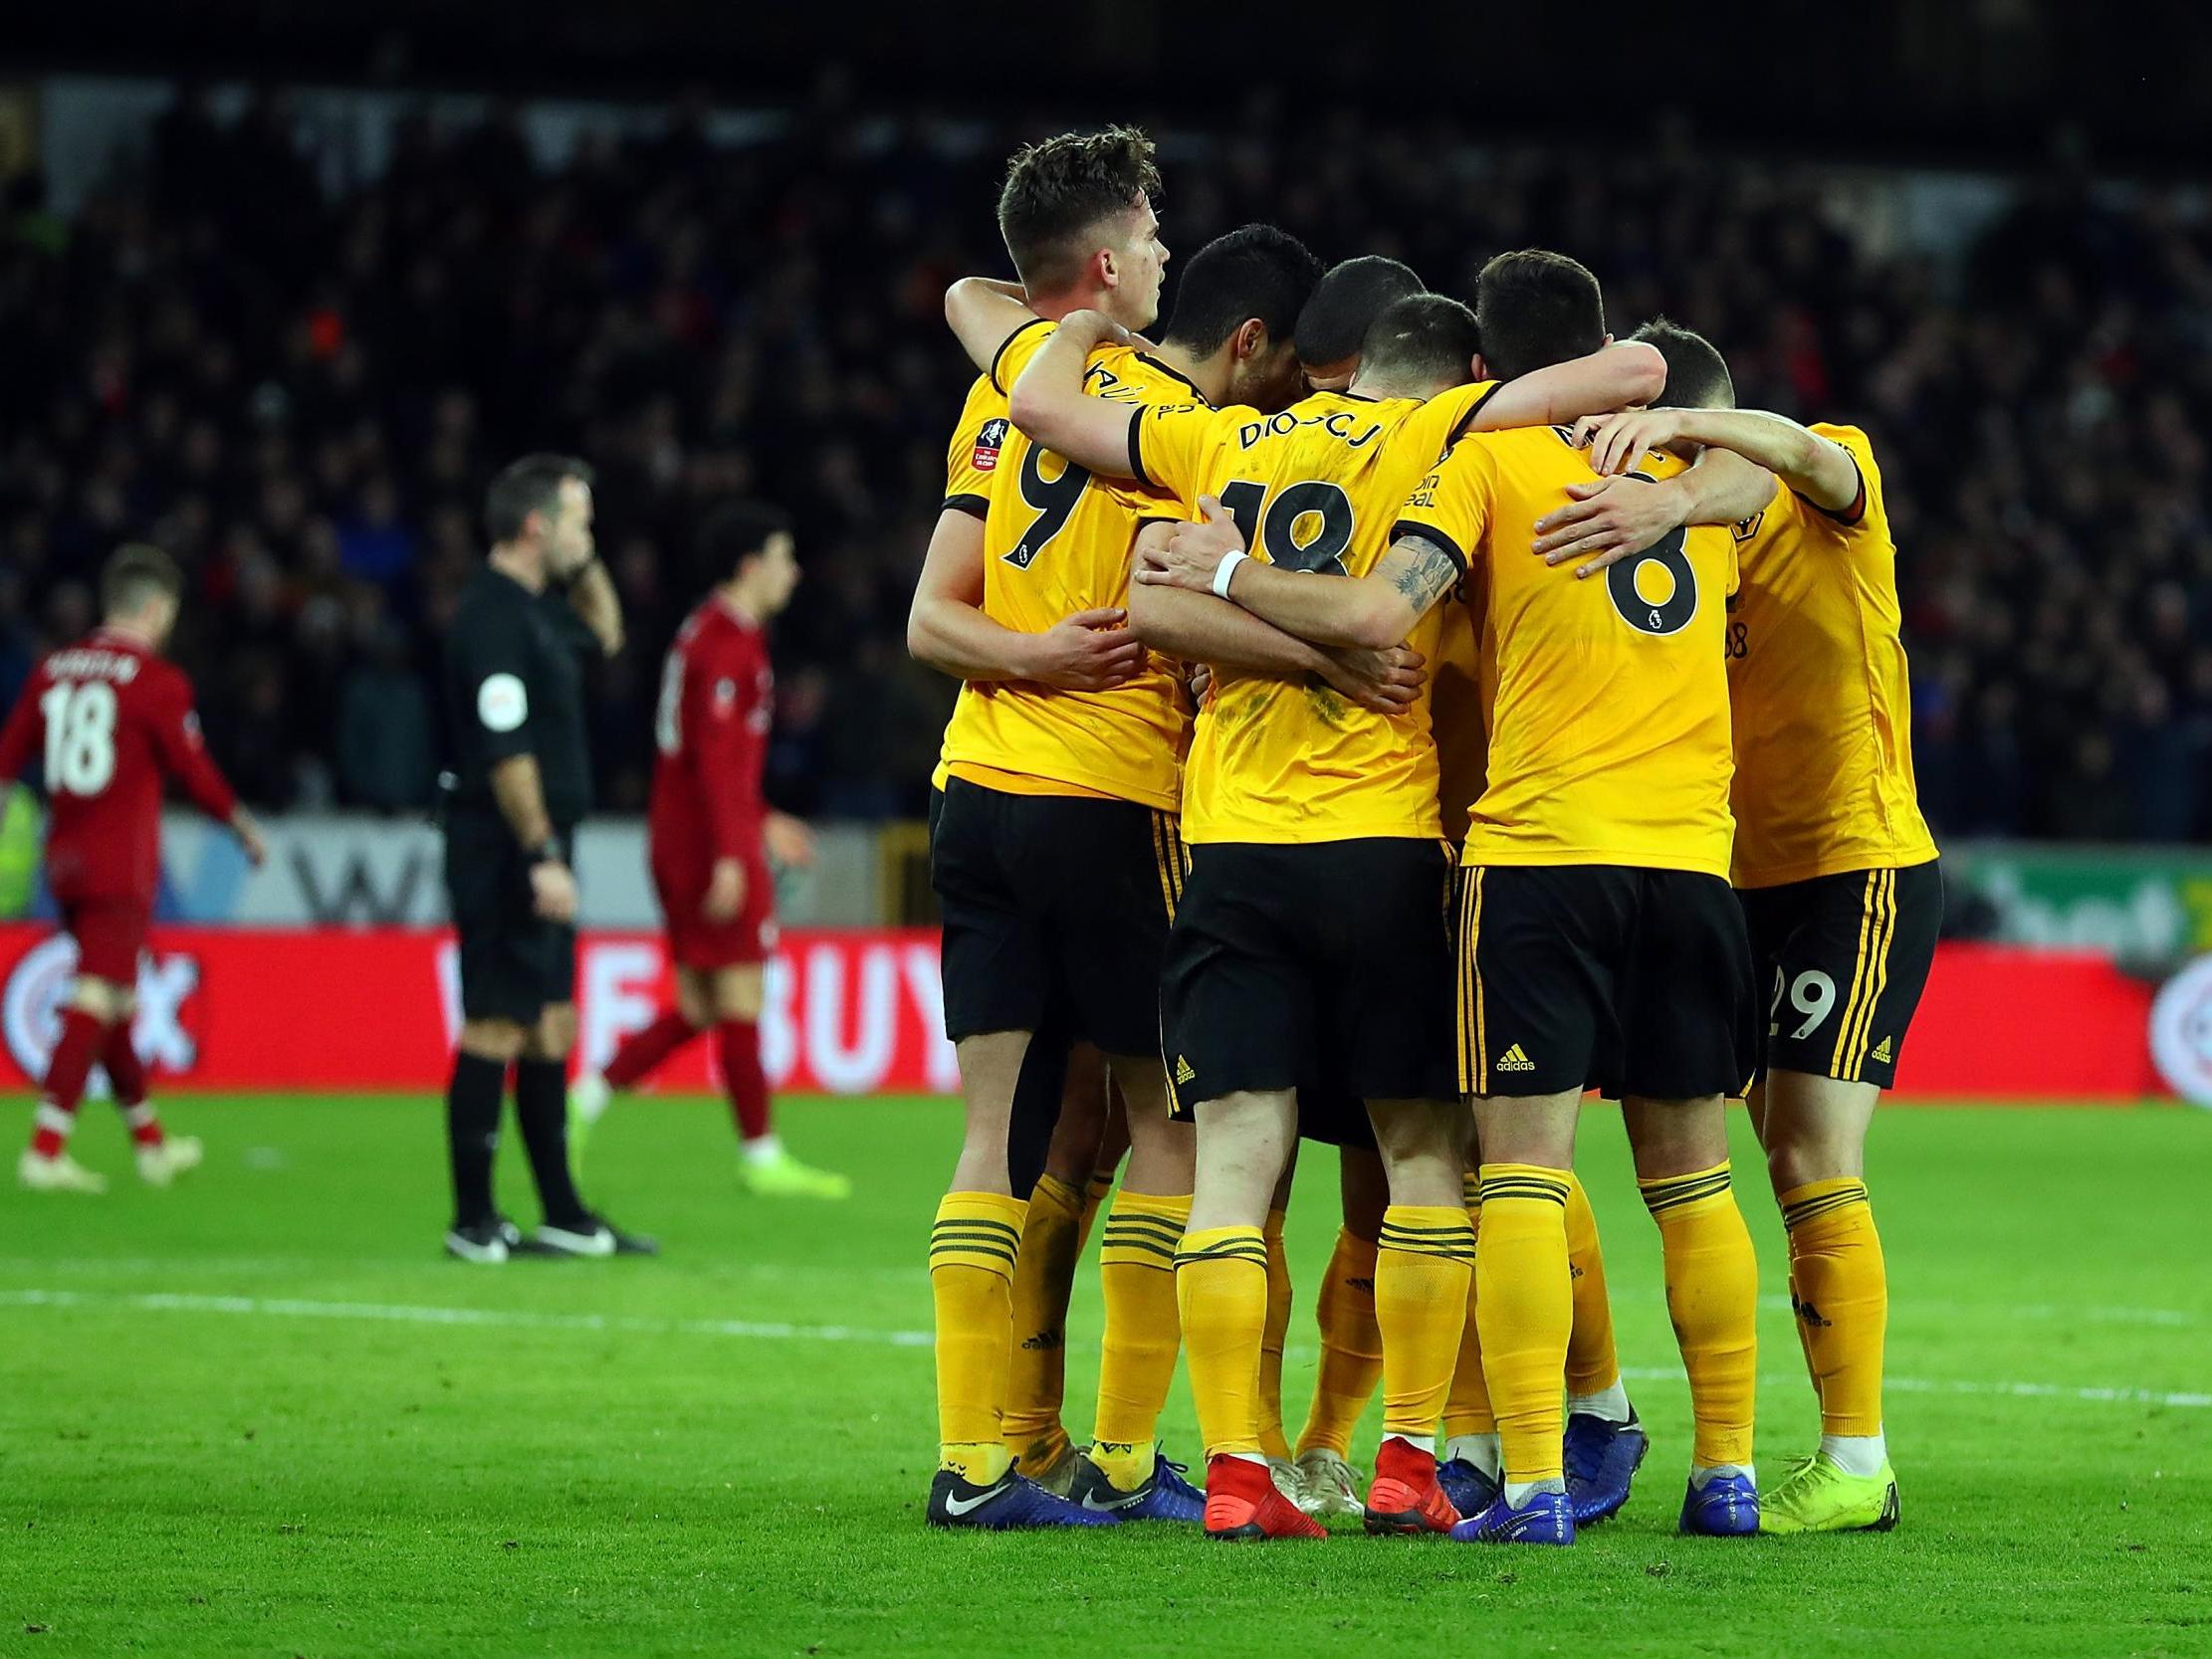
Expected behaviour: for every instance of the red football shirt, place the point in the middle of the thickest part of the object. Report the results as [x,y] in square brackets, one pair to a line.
[712,730]
[110,721]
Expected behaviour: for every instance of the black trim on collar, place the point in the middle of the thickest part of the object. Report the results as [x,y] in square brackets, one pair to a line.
[1175,373]
[1466,420]
[999,355]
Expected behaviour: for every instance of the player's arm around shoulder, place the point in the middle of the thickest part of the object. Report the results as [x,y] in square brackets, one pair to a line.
[1373,611]
[1622,511]
[1048,403]
[1629,373]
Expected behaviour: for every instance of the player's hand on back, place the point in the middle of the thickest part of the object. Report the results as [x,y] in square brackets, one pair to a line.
[1089,651]
[789,842]
[725,891]
[1615,441]
[1606,520]
[1383,682]
[1096,328]
[247,828]
[552,890]
[1193,552]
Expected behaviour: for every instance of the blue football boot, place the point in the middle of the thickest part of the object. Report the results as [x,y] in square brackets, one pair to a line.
[1602,1460]
[1727,1506]
[1546,1518]
[1469,1488]
[1164,1495]
[1010,1503]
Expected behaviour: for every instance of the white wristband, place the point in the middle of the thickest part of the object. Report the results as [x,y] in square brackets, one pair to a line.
[1224,570]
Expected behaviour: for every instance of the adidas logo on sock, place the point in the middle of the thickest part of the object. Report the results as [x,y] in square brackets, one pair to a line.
[1514,1060]
[1183,1072]
[1883,1051]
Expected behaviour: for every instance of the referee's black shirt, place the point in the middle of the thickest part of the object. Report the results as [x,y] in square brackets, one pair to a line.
[514,685]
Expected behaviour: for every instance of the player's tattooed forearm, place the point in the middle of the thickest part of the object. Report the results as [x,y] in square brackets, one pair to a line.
[1423,572]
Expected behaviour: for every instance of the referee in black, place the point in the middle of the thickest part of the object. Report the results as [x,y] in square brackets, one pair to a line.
[540,606]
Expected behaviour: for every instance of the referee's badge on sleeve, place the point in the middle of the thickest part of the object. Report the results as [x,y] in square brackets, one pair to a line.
[501,704]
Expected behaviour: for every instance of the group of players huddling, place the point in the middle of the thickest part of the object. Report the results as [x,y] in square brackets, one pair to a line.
[1587,766]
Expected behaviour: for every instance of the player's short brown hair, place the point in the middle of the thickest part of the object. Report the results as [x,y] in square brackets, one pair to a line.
[1697,375]
[1062,188]
[134,573]
[1345,304]
[1536,307]
[530,485]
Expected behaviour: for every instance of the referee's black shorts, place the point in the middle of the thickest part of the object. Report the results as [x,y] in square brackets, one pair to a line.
[1055,902]
[515,963]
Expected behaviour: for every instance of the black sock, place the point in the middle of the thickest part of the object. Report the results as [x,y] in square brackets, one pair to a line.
[472,1108]
[541,1108]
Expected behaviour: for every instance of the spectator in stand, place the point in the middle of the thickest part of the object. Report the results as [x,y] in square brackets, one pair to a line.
[298,393]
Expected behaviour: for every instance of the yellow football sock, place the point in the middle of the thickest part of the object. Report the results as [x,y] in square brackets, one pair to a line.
[1592,1364]
[1043,1280]
[1221,1289]
[1272,1340]
[1425,1261]
[1526,1308]
[1840,1289]
[1466,1408]
[1351,1347]
[972,1257]
[1713,1292]
[1136,1355]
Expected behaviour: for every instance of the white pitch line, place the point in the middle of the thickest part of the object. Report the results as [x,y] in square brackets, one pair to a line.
[145,1267]
[390,1312]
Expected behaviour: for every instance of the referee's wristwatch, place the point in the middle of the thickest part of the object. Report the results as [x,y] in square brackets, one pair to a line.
[548,851]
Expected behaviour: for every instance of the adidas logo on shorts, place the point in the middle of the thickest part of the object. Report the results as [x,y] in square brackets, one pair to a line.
[1183,1072]
[1883,1052]
[1514,1060]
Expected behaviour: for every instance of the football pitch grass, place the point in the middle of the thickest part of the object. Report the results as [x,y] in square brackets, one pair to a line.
[259,1415]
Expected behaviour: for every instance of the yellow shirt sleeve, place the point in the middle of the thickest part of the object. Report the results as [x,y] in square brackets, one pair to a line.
[1169,444]
[1015,350]
[973,454]
[1451,506]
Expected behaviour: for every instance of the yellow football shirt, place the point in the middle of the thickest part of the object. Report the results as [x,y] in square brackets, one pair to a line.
[1823,707]
[1609,738]
[1314,488]
[1056,540]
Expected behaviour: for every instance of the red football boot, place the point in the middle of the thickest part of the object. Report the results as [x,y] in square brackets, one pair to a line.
[1241,1501]
[1406,1498]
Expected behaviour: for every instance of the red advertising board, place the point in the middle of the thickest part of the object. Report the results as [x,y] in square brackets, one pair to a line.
[861,1012]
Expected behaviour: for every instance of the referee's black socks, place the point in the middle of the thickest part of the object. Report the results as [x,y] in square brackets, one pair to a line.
[472,1107]
[542,1106]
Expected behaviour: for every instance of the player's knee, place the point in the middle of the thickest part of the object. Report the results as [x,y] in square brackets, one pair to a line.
[1815,1129]
[740,993]
[493,1039]
[1798,1159]
[1676,1137]
[555,1034]
[104,999]
[1538,1131]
